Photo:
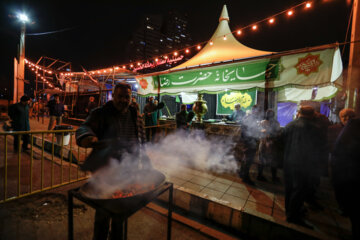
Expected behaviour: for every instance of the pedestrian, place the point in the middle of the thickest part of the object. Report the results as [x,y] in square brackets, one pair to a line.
[91,105]
[19,115]
[134,103]
[334,131]
[302,141]
[183,118]
[346,172]
[120,124]
[250,136]
[237,114]
[149,109]
[269,146]
[56,110]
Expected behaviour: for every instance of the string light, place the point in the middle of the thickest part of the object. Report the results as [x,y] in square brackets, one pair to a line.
[254,26]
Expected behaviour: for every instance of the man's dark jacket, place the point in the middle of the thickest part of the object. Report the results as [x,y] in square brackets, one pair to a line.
[103,123]
[19,115]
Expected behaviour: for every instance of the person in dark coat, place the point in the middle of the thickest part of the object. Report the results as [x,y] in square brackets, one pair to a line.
[149,109]
[119,128]
[56,111]
[269,145]
[301,146]
[250,136]
[19,115]
[346,172]
[91,105]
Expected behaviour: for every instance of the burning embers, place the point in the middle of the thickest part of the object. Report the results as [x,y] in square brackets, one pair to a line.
[132,190]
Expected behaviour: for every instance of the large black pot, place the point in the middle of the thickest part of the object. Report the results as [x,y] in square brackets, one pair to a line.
[149,179]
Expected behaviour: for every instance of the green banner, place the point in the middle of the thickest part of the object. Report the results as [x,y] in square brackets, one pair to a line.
[227,100]
[221,75]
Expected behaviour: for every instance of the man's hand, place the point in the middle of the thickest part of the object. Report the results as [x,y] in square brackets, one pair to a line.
[89,141]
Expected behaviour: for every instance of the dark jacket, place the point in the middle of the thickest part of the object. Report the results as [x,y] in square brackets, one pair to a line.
[149,108]
[181,119]
[346,155]
[303,140]
[55,109]
[103,123]
[19,115]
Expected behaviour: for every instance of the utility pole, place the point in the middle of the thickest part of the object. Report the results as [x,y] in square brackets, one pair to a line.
[353,81]
[21,64]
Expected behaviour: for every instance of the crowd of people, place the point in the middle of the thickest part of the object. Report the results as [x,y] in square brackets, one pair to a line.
[307,148]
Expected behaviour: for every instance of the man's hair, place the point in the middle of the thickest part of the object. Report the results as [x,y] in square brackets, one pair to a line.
[56,95]
[307,111]
[347,112]
[24,98]
[237,104]
[183,106]
[122,86]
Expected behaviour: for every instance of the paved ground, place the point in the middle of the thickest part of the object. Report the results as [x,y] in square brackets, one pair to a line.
[44,216]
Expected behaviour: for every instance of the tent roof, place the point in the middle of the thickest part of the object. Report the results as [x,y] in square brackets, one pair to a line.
[222,50]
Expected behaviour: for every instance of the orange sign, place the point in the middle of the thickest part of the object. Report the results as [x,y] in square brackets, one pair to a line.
[308,64]
[143,83]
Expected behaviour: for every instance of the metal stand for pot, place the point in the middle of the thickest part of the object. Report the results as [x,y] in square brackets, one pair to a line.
[120,217]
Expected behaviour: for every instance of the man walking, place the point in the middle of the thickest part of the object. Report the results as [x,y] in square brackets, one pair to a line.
[19,115]
[56,110]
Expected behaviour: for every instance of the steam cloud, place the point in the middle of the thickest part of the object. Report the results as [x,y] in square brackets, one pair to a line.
[193,150]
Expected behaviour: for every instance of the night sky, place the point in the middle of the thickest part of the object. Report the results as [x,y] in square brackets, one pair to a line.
[97,33]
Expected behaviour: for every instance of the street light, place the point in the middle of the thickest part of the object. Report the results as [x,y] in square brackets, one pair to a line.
[19,82]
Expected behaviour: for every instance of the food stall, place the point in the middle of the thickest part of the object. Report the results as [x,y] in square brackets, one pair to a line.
[239,74]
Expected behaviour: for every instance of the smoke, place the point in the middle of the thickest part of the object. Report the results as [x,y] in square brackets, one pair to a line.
[180,149]
[193,150]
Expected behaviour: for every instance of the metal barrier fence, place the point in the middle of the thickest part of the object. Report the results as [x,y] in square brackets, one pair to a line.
[41,167]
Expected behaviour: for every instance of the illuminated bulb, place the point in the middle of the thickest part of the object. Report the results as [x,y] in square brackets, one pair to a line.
[238,32]
[38,75]
[225,37]
[61,73]
[308,5]
[92,72]
[124,67]
[166,57]
[131,65]
[156,59]
[50,72]
[116,68]
[271,20]
[138,64]
[33,69]
[98,72]
[289,13]
[254,27]
[175,53]
[198,47]
[211,43]
[104,71]
[187,50]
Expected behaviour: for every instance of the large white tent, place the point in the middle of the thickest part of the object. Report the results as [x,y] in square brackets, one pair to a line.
[229,65]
